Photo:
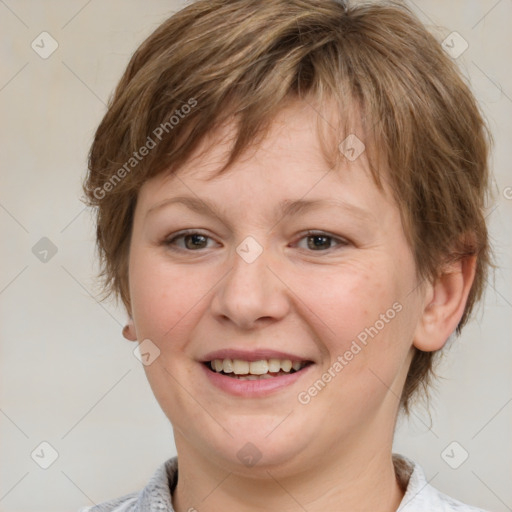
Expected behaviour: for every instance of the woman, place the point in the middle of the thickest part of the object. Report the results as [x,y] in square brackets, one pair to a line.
[290,205]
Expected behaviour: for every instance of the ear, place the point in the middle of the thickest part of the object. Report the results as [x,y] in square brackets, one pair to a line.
[129,330]
[445,300]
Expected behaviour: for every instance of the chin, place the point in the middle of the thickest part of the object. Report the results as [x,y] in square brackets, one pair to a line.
[255,448]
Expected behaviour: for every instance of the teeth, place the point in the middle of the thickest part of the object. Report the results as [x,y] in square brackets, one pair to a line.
[257,369]
[227,366]
[274,365]
[240,367]
[286,365]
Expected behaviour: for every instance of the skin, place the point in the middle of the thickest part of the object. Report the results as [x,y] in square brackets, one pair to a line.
[333,453]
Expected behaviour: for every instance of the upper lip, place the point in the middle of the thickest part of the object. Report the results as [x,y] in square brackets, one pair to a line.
[253,355]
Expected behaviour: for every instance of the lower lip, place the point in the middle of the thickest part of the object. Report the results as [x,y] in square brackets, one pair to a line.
[254,388]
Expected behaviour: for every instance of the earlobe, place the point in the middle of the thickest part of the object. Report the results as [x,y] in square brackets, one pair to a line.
[129,331]
[445,304]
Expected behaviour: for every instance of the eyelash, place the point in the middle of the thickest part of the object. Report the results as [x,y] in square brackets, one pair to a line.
[169,242]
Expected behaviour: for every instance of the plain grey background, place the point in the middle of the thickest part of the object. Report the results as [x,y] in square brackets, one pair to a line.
[69,379]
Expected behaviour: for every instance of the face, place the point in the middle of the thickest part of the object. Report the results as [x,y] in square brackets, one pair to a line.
[296,273]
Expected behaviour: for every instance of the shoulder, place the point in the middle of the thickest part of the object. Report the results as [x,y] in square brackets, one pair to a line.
[156,495]
[420,496]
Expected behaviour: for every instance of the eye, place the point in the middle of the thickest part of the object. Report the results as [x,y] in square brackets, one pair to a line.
[193,240]
[320,241]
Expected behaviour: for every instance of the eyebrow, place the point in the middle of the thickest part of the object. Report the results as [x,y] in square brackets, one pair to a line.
[285,208]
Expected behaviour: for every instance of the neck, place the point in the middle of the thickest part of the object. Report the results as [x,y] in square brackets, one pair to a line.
[344,482]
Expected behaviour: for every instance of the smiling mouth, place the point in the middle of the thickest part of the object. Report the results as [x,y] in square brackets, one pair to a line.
[255,370]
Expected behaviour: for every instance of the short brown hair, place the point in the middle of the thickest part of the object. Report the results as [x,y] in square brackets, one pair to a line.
[219,60]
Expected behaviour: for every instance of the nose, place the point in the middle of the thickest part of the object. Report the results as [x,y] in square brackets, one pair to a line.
[251,294]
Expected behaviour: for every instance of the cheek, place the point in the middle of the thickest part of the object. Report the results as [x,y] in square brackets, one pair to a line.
[161,295]
[365,325]
[351,300]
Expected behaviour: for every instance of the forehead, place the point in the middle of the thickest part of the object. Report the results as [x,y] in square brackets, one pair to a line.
[289,160]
